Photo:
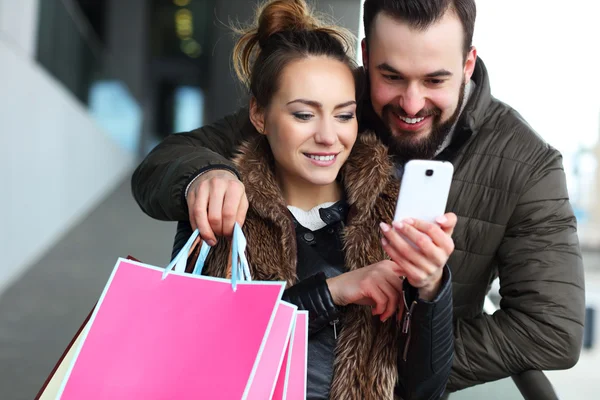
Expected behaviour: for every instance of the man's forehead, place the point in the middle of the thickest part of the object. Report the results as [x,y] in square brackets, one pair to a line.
[391,34]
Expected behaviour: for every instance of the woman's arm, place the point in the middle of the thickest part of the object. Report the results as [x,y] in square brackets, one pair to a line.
[312,294]
[426,343]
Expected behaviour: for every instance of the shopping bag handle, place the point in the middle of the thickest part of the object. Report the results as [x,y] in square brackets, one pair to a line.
[240,270]
[239,263]
[179,262]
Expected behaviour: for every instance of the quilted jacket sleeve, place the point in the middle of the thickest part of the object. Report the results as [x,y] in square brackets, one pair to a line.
[540,322]
[158,184]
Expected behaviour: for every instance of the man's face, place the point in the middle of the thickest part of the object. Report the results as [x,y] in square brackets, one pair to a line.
[417,80]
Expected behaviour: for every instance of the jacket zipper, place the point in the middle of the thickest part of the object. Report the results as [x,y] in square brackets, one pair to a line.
[334,324]
[406,328]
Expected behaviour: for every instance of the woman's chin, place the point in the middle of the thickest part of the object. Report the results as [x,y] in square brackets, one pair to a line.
[322,178]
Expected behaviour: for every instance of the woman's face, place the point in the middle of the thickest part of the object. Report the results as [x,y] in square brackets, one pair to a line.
[310,122]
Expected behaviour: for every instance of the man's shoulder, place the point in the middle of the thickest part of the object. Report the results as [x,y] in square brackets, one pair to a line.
[505,134]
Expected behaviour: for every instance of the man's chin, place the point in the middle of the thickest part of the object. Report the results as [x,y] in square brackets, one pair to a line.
[410,144]
[409,138]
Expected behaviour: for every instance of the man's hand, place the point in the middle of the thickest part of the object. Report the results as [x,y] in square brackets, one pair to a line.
[216,201]
[423,264]
[378,285]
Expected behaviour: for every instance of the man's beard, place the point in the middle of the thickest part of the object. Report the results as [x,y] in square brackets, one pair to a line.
[404,145]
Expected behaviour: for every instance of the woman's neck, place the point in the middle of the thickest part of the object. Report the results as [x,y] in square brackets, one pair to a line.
[305,195]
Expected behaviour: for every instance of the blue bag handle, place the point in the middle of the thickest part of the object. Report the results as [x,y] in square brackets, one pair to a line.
[240,270]
[179,262]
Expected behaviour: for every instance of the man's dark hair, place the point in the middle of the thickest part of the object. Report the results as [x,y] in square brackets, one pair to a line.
[421,14]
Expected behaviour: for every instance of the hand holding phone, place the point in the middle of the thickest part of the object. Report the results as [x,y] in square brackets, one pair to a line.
[417,243]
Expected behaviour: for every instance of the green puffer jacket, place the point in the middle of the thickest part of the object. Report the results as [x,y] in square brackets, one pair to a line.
[514,221]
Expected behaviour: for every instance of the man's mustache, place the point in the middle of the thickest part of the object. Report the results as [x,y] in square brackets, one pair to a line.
[426,112]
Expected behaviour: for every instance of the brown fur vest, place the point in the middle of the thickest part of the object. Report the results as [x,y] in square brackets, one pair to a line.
[365,362]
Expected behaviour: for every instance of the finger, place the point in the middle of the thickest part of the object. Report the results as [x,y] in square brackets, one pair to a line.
[430,255]
[392,252]
[191,200]
[447,222]
[396,304]
[199,215]
[393,243]
[428,237]
[378,297]
[395,279]
[392,299]
[416,276]
[242,210]
[215,206]
[406,252]
[231,203]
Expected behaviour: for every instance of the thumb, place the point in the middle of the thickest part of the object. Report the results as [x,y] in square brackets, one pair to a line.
[447,222]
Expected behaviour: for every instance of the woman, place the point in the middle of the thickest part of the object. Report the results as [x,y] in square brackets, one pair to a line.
[317,194]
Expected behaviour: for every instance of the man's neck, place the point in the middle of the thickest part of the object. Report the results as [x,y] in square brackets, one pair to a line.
[469,89]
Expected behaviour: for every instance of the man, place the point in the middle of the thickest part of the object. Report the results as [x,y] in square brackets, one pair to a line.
[430,98]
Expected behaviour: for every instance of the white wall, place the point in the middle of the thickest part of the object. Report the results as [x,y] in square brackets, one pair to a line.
[542,58]
[18,23]
[55,162]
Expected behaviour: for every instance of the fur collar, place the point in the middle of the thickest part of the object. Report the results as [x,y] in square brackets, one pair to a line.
[365,363]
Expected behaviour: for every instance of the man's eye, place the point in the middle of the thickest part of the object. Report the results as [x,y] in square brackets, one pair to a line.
[392,77]
[436,81]
[303,116]
[346,117]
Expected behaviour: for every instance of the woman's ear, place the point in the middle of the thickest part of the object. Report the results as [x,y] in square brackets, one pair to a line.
[257,116]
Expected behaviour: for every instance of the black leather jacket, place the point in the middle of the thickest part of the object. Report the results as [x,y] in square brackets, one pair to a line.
[423,372]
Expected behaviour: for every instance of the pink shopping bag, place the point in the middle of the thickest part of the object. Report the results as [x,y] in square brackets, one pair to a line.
[291,384]
[159,334]
[269,367]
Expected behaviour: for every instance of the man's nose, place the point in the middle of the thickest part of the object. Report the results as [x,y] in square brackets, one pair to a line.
[412,100]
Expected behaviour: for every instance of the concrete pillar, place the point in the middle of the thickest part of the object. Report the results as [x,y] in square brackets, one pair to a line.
[127,28]
[18,25]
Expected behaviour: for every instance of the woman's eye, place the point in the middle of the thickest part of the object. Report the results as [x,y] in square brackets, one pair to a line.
[303,116]
[346,117]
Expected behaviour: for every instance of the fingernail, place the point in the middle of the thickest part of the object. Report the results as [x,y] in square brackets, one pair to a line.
[409,221]
[384,241]
[441,220]
[398,225]
[384,227]
[211,242]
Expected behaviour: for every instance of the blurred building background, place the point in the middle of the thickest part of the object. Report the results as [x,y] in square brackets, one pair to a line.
[88,87]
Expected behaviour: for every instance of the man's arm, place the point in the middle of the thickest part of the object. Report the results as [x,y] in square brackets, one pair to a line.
[159,182]
[540,322]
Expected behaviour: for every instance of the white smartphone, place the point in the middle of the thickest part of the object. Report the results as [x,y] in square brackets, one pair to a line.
[424,190]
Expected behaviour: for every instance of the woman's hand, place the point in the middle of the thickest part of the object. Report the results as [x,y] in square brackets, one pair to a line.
[423,256]
[378,285]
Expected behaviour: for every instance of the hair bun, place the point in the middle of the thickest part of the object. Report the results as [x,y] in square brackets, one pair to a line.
[279,16]
[284,15]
